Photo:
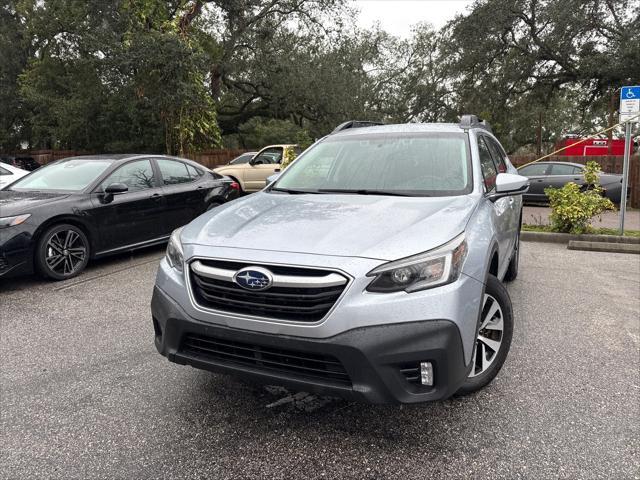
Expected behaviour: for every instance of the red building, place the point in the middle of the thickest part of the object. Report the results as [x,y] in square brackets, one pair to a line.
[591,147]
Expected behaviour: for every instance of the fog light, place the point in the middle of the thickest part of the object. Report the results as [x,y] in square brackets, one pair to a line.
[426,373]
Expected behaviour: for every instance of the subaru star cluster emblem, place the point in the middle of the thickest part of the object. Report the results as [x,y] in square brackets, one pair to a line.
[254,278]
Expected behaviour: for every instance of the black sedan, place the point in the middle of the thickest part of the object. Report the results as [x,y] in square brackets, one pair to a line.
[556,174]
[57,218]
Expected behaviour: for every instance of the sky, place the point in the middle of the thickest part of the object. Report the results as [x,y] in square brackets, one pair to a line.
[397,16]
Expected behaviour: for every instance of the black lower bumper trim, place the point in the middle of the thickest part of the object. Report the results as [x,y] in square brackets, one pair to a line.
[369,364]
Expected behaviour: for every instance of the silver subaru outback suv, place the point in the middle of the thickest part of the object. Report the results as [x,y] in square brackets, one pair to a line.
[371,269]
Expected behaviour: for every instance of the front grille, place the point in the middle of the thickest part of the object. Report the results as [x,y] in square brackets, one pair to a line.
[301,304]
[290,362]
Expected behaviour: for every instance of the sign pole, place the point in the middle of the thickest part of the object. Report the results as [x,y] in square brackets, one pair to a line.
[625,175]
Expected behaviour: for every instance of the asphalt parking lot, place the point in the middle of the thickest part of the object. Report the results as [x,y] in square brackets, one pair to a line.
[85,395]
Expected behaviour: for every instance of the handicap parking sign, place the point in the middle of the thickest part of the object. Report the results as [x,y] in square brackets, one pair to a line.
[630,103]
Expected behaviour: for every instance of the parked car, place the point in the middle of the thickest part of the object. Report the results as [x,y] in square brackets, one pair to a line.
[244,158]
[252,175]
[57,218]
[556,174]
[9,174]
[20,161]
[371,269]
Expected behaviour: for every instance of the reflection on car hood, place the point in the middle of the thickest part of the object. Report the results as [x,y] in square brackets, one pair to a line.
[379,227]
[16,203]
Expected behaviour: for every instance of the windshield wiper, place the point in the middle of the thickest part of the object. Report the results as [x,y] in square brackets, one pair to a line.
[291,191]
[363,191]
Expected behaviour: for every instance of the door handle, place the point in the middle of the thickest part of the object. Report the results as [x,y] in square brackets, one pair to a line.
[156,197]
[540,180]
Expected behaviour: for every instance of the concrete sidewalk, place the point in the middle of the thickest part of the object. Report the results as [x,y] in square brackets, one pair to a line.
[540,216]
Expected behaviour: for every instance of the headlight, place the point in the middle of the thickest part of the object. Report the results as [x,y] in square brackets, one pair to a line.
[175,255]
[13,221]
[419,272]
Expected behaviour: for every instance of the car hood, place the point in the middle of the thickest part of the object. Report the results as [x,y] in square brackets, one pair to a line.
[230,168]
[379,227]
[16,203]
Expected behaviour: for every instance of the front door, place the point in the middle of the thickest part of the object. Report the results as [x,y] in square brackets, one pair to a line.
[501,209]
[263,165]
[538,181]
[513,204]
[134,216]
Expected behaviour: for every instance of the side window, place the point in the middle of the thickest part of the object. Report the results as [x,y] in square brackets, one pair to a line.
[173,172]
[136,175]
[496,153]
[489,171]
[270,155]
[194,172]
[4,171]
[534,170]
[559,169]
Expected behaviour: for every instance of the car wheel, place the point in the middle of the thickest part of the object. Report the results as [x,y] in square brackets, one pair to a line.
[512,269]
[493,339]
[213,205]
[62,252]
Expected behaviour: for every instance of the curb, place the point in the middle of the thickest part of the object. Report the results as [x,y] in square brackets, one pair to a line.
[604,247]
[567,237]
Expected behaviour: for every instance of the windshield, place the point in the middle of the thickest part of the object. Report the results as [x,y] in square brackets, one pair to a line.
[244,158]
[67,175]
[415,164]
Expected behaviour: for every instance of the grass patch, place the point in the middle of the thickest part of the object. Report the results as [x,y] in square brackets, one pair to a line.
[590,230]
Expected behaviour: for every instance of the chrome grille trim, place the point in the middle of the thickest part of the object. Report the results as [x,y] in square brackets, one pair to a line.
[291,281]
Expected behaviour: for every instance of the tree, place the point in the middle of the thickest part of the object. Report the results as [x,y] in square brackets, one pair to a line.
[15,50]
[509,55]
[116,76]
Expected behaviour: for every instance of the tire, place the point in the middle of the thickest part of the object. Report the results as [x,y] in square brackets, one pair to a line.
[514,263]
[62,252]
[492,337]
[213,205]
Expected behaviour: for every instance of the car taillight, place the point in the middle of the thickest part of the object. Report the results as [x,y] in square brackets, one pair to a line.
[235,185]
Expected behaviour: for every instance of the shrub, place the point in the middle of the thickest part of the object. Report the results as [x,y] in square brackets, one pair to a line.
[573,208]
[289,156]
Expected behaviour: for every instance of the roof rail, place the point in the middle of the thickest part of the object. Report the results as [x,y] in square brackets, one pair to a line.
[472,121]
[355,124]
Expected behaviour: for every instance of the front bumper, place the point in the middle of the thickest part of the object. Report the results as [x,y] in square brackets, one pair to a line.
[16,251]
[374,358]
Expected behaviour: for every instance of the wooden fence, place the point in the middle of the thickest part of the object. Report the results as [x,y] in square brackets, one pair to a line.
[209,158]
[215,158]
[608,163]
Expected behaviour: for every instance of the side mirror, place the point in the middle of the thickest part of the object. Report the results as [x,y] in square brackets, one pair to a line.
[116,188]
[507,185]
[272,178]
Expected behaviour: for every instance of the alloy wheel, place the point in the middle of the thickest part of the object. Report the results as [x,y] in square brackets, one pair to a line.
[65,252]
[489,337]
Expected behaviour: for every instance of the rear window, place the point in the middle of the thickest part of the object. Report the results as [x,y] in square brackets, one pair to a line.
[559,169]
